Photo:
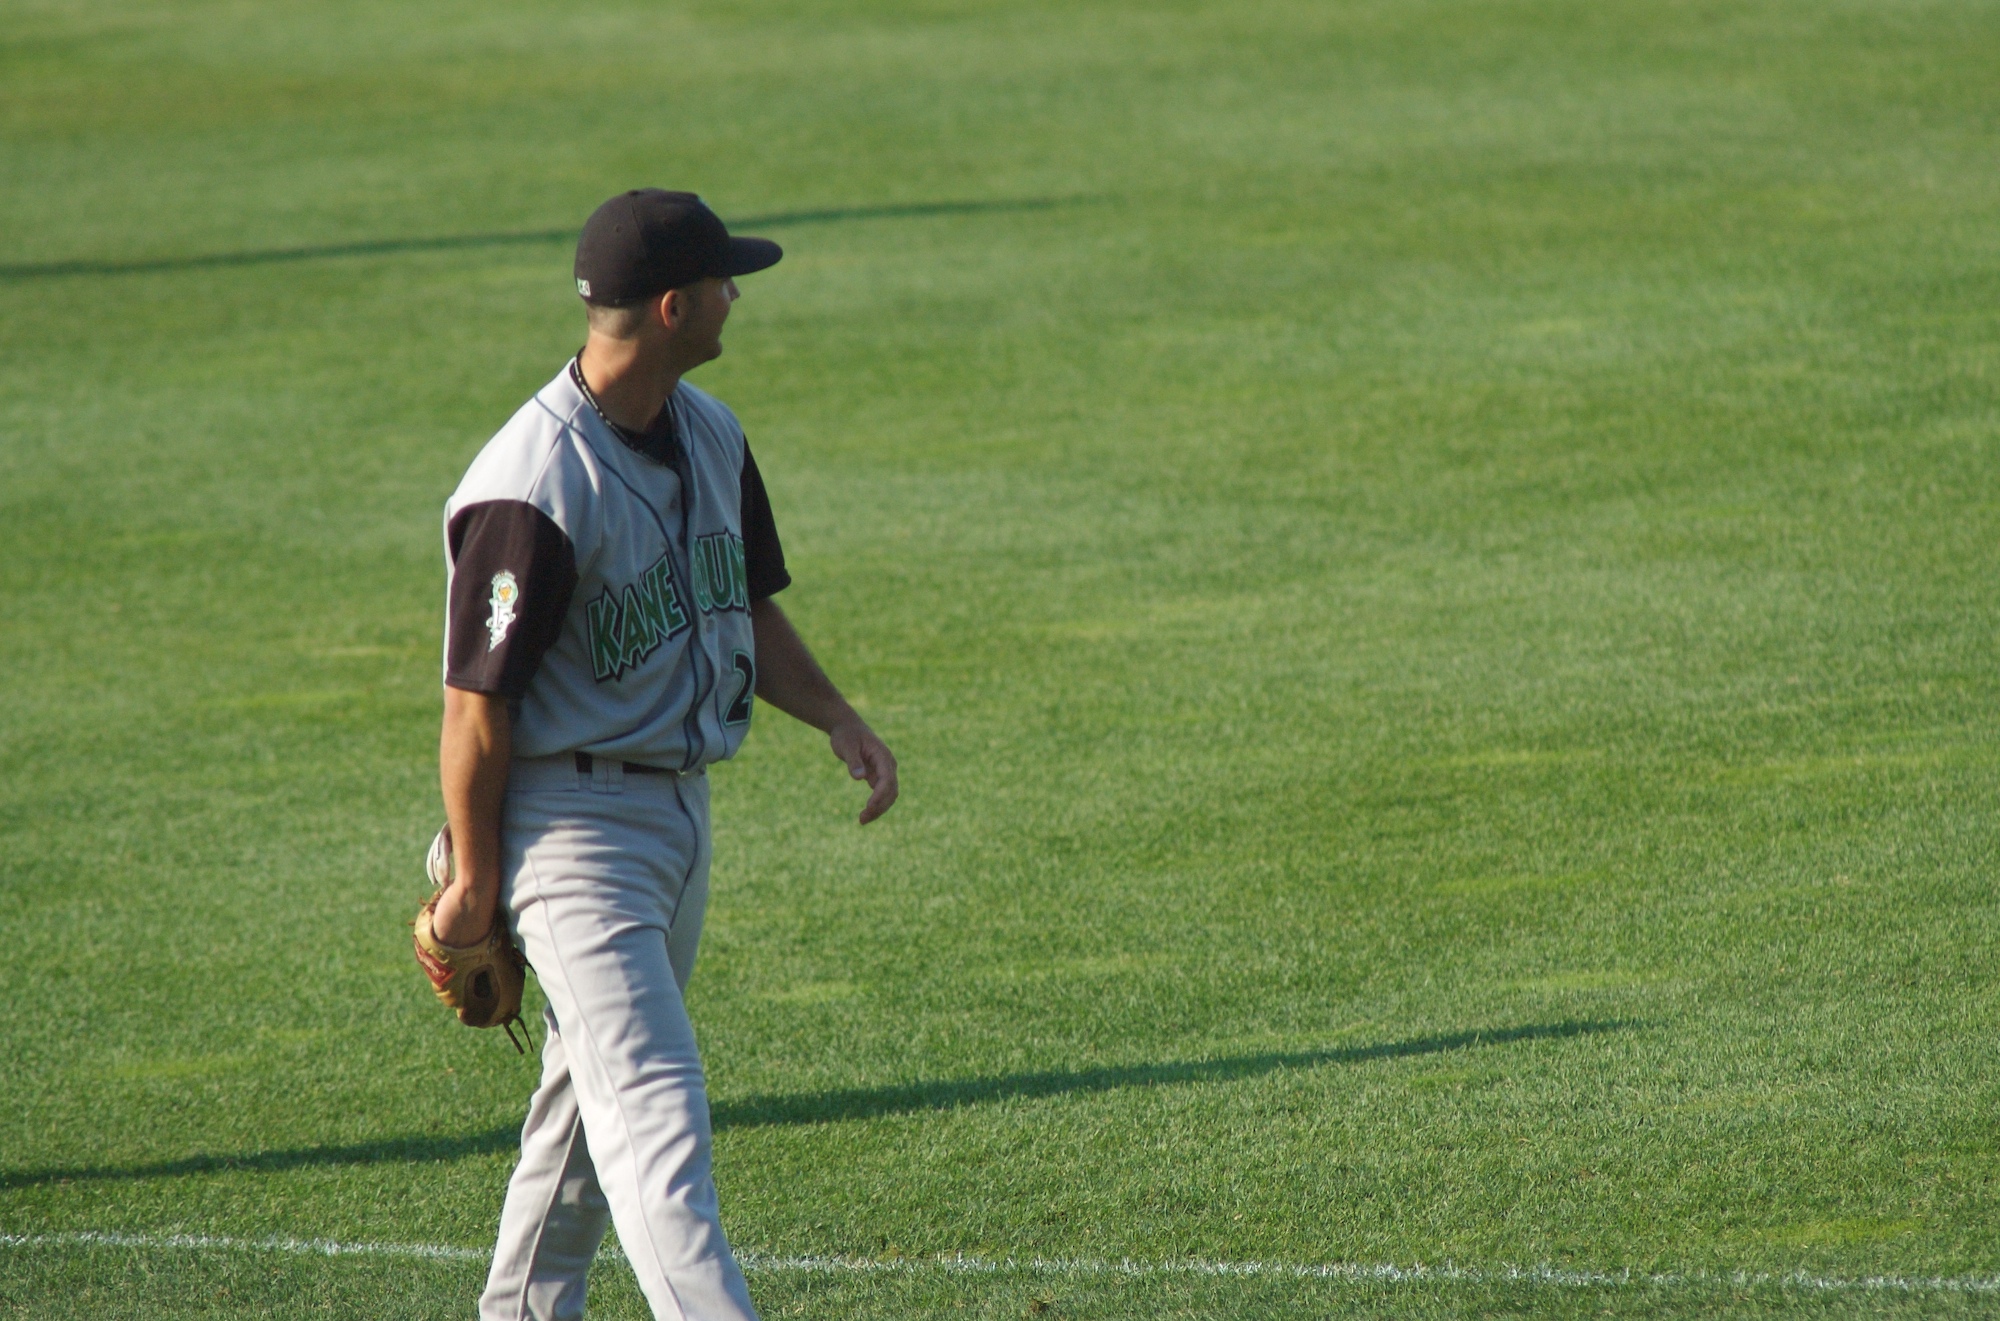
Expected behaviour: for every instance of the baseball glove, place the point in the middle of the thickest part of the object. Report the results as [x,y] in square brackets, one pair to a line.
[482,982]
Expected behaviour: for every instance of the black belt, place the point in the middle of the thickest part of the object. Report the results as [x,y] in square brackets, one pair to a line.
[584,761]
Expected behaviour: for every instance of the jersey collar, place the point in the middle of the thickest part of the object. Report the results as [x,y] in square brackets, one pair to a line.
[659,442]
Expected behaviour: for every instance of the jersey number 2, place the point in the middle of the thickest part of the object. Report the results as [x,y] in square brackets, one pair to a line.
[739,709]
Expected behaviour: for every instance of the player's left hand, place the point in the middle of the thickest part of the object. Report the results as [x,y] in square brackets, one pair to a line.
[868,758]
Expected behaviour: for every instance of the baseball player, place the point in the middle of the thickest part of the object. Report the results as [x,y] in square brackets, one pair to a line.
[612,563]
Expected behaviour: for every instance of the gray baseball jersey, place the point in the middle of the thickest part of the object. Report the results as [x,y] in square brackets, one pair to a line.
[602,580]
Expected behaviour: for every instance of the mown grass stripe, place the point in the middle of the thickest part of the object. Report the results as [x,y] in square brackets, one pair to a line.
[960,1263]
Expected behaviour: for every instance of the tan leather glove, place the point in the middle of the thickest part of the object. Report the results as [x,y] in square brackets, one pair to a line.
[482,982]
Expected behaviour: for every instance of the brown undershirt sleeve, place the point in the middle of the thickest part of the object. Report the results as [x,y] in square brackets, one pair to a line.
[513,573]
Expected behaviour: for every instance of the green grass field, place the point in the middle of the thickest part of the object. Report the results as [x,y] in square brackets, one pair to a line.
[1433,566]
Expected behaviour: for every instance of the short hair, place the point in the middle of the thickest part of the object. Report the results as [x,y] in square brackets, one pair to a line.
[619,320]
[623,320]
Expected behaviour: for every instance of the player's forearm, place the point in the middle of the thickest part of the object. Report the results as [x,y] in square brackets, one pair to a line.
[474,749]
[787,675]
[790,679]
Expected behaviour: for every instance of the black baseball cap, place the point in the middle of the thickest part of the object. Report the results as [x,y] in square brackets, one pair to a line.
[642,243]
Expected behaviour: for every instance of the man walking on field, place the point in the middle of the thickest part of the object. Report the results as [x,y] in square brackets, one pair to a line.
[613,563]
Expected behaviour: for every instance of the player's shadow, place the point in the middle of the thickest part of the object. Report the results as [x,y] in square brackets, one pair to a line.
[872,1102]
[399,1150]
[845,1104]
[512,238]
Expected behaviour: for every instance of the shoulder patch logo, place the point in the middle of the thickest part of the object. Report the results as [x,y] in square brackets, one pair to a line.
[505,593]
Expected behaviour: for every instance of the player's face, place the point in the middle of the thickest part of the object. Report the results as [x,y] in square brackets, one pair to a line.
[701,318]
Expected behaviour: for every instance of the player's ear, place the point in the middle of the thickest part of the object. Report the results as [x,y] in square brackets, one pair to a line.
[669,309]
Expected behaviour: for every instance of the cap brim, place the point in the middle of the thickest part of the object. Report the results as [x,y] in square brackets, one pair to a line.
[747,255]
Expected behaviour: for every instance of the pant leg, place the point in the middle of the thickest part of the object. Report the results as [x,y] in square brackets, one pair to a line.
[555,1214]
[684,932]
[606,900]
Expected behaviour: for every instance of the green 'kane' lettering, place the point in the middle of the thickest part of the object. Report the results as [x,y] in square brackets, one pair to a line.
[601,624]
[627,625]
[637,637]
[660,601]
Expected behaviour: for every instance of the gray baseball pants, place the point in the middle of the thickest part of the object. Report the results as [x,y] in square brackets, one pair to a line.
[605,878]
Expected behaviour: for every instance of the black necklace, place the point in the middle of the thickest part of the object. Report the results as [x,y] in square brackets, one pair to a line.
[653,444]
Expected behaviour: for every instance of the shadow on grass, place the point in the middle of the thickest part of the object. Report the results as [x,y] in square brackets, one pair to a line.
[871,1102]
[445,243]
[401,1150]
[848,1104]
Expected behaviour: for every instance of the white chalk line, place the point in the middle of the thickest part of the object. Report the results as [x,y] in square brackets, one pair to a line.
[963,1264]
